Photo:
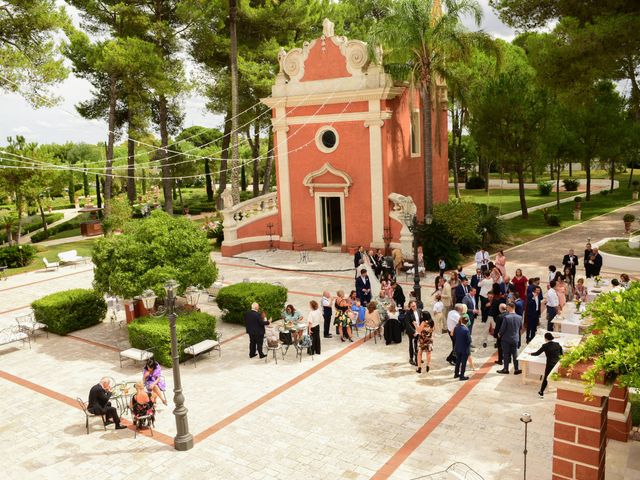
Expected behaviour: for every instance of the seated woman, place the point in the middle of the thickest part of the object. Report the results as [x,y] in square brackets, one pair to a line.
[580,292]
[293,322]
[342,320]
[392,327]
[154,381]
[372,318]
[142,405]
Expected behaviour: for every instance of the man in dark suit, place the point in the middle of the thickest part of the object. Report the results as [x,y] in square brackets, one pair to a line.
[509,335]
[255,328]
[533,313]
[472,307]
[475,282]
[570,261]
[375,263]
[358,257]
[461,290]
[411,321]
[596,262]
[502,309]
[99,403]
[462,343]
[553,351]
[363,287]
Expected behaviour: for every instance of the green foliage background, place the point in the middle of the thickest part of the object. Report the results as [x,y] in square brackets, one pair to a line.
[616,348]
[150,252]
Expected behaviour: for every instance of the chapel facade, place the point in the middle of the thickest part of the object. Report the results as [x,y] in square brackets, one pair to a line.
[348,154]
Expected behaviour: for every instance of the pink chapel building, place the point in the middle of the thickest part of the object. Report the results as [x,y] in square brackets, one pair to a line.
[348,155]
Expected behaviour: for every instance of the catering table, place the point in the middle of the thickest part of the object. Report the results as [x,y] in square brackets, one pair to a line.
[535,366]
[593,291]
[571,321]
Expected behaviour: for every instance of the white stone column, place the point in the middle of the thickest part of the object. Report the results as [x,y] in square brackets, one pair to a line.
[284,187]
[375,165]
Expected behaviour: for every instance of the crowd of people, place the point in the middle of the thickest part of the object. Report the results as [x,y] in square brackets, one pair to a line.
[502,310]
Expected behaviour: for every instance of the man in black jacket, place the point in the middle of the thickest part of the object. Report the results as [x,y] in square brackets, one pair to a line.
[255,328]
[553,351]
[570,261]
[99,403]
[398,295]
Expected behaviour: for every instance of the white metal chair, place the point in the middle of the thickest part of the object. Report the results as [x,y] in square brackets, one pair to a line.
[27,323]
[50,265]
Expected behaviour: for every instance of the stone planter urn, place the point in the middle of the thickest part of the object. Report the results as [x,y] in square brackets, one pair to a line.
[634,195]
[577,214]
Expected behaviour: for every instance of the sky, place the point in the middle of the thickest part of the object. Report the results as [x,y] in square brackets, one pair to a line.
[62,123]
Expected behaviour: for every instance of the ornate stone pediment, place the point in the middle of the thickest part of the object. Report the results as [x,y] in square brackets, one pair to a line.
[328,177]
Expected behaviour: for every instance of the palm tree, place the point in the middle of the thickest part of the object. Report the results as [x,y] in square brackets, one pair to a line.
[418,37]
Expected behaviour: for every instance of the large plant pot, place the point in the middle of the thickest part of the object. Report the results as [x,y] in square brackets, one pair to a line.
[627,227]
[634,195]
[577,214]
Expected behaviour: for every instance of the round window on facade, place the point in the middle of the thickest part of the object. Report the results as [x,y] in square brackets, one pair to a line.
[327,139]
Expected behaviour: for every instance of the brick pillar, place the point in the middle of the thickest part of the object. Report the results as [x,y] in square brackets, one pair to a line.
[619,416]
[580,432]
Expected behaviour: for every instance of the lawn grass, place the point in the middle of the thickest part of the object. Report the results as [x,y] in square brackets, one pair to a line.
[522,230]
[620,247]
[507,201]
[65,234]
[83,247]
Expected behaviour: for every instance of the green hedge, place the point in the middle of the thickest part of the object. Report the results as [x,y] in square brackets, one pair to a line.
[236,299]
[16,256]
[63,227]
[153,333]
[70,310]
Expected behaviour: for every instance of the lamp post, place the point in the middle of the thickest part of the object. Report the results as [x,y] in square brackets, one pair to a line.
[183,439]
[148,298]
[192,294]
[526,419]
[411,221]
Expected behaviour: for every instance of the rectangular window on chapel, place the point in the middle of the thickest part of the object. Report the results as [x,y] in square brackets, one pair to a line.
[415,133]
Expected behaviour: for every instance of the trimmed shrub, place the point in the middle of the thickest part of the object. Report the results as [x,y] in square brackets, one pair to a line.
[545,188]
[153,333]
[475,183]
[70,310]
[236,299]
[491,228]
[604,193]
[553,220]
[571,184]
[16,256]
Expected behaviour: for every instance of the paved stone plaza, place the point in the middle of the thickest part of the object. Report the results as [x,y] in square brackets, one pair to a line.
[357,411]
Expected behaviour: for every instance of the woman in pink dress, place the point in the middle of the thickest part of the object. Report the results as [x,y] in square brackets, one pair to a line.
[501,263]
[561,290]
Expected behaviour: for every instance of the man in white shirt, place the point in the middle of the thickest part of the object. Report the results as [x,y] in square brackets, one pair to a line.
[482,259]
[452,321]
[553,304]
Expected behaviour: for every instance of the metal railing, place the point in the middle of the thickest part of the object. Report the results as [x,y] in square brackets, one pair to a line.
[457,471]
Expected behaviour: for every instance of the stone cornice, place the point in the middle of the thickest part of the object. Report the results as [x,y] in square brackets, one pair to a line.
[327,98]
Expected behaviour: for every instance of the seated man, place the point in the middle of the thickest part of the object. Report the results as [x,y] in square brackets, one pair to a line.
[99,403]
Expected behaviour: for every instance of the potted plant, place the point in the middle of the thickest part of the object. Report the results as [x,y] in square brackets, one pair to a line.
[636,187]
[628,219]
[577,208]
